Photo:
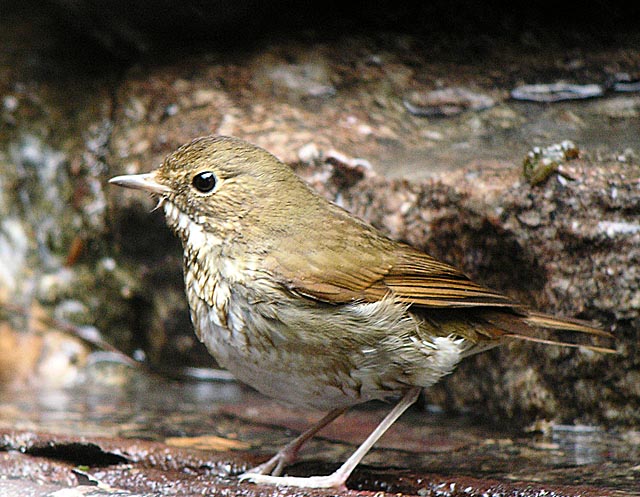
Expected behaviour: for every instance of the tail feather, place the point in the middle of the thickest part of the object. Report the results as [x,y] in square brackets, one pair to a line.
[527,327]
[594,348]
[542,320]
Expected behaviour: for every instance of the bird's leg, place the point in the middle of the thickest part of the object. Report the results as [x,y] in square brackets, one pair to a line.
[289,452]
[338,478]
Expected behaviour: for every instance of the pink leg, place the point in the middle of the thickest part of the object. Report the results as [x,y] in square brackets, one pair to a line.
[338,478]
[289,452]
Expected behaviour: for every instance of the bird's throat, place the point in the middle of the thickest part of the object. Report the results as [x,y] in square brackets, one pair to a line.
[192,232]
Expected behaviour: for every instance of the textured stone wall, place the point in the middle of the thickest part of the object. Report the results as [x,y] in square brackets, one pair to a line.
[73,250]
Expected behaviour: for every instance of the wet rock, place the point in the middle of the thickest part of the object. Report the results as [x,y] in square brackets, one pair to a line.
[44,357]
[307,80]
[14,248]
[141,467]
[101,258]
[613,229]
[309,153]
[556,92]
[446,102]
[627,85]
[618,107]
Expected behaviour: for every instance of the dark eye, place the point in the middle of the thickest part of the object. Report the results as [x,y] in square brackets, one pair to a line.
[204,182]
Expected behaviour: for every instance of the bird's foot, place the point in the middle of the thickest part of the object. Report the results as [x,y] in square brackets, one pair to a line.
[334,480]
[275,465]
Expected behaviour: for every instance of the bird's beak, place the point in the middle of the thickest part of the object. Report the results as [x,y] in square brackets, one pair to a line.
[146,182]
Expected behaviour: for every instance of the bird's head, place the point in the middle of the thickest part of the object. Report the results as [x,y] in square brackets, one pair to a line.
[222,184]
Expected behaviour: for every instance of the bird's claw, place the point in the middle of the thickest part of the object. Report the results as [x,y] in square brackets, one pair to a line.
[330,481]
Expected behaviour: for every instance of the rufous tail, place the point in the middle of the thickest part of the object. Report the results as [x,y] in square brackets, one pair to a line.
[527,327]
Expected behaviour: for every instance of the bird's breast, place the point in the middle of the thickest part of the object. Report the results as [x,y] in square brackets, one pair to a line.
[312,354]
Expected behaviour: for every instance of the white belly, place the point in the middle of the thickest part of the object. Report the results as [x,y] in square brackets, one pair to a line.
[305,359]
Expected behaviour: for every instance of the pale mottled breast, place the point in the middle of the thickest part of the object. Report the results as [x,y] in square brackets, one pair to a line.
[320,358]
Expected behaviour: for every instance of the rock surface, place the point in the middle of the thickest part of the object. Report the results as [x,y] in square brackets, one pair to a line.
[97,257]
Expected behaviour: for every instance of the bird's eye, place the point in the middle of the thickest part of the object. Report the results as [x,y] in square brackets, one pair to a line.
[204,182]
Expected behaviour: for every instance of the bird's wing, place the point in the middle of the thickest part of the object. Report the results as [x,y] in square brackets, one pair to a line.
[371,269]
[460,306]
[388,268]
[420,280]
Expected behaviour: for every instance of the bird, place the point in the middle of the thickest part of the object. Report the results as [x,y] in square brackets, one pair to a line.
[314,307]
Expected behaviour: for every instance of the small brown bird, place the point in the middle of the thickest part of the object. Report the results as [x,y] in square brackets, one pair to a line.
[309,305]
